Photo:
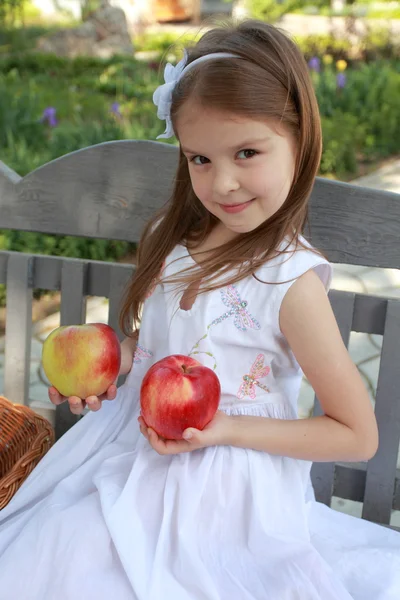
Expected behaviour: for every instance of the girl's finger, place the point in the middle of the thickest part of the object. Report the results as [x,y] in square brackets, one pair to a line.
[143,428]
[143,431]
[154,440]
[55,396]
[142,421]
[93,403]
[163,446]
[76,405]
[111,392]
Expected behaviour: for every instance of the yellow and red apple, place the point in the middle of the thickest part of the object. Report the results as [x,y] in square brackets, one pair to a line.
[82,360]
[178,392]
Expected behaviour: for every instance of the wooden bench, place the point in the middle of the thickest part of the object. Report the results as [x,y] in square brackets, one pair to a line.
[109,191]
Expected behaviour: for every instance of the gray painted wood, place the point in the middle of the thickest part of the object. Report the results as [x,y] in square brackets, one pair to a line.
[323,473]
[350,483]
[105,191]
[118,281]
[369,314]
[18,328]
[110,190]
[72,312]
[345,225]
[73,292]
[381,470]
[396,504]
[48,269]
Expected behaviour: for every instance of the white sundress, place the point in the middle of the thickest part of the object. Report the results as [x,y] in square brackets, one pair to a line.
[104,516]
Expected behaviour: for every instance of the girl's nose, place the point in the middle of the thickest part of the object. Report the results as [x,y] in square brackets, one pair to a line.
[225,182]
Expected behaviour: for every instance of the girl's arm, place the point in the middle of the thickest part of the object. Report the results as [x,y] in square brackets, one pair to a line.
[128,347]
[348,430]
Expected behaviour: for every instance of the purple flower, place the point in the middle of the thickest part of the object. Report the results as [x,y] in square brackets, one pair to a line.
[115,109]
[340,80]
[49,116]
[314,64]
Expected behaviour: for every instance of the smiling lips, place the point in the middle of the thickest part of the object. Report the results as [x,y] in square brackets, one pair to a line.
[235,208]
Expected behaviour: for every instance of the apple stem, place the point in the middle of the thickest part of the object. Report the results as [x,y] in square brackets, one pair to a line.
[184,369]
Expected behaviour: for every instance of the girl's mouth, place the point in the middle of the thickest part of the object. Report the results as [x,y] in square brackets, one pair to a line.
[235,208]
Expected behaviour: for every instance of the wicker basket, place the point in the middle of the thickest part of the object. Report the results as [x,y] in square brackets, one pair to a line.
[25,437]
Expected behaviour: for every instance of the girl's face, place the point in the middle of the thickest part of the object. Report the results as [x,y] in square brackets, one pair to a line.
[241,169]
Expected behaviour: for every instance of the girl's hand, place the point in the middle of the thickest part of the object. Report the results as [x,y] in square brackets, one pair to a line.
[77,405]
[216,433]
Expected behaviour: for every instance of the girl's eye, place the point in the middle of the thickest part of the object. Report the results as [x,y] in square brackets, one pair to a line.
[248,153]
[199,160]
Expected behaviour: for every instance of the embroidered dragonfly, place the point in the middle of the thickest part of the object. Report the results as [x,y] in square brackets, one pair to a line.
[140,354]
[243,320]
[251,380]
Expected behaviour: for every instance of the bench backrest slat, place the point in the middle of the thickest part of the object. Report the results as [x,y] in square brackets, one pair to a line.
[73,293]
[18,327]
[118,281]
[381,470]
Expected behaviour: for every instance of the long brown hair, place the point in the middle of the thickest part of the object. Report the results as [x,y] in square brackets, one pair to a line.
[272,82]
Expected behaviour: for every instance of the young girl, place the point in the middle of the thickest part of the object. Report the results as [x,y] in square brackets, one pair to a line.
[225,276]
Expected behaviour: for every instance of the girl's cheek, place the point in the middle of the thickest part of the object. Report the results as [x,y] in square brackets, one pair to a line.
[200,190]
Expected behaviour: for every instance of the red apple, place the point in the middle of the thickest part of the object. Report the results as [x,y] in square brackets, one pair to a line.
[178,392]
[82,360]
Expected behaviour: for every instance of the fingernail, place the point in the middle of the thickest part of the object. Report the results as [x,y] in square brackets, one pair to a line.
[187,435]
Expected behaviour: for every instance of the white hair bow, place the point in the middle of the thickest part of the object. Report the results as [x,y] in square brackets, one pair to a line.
[162,96]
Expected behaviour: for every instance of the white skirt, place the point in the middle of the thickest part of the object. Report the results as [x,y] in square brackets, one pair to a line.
[104,516]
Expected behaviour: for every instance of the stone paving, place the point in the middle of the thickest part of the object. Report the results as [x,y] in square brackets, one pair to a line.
[364,349]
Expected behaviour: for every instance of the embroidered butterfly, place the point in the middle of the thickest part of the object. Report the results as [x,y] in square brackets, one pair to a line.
[251,380]
[243,320]
[140,354]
